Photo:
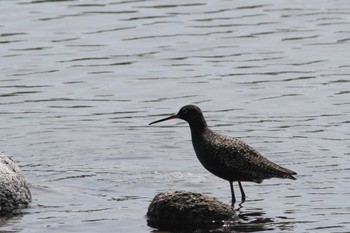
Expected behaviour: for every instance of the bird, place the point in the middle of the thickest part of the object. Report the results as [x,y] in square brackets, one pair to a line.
[227,157]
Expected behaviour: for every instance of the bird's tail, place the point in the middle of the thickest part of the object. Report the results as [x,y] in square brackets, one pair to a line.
[286,173]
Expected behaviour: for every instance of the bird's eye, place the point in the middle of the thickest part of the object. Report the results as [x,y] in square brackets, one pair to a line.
[184,111]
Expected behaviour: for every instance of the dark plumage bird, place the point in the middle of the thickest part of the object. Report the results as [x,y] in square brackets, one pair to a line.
[227,157]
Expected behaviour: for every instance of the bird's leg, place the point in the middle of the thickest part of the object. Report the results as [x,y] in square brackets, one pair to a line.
[242,191]
[232,194]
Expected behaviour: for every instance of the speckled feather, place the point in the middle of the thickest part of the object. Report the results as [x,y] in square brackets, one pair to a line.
[237,161]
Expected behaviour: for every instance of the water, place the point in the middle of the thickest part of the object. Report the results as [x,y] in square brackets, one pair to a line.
[81,80]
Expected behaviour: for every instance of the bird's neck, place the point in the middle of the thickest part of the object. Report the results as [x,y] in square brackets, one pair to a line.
[198,126]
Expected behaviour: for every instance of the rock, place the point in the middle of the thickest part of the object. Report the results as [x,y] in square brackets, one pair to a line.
[14,193]
[186,210]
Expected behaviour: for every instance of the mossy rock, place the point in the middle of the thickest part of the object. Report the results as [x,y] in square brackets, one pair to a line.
[180,209]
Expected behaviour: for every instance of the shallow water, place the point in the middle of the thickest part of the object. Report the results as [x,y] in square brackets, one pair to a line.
[81,80]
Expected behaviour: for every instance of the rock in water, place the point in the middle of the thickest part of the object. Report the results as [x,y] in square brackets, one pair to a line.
[14,193]
[182,209]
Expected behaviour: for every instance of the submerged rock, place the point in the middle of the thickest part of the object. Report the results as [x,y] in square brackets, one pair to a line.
[182,209]
[14,193]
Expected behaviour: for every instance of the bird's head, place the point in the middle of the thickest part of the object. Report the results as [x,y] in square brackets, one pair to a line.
[189,113]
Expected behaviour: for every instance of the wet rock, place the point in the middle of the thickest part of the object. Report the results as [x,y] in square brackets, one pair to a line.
[182,209]
[14,193]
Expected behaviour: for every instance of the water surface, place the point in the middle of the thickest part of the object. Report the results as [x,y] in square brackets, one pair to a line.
[81,80]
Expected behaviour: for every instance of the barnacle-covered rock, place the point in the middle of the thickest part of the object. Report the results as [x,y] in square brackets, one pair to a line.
[14,193]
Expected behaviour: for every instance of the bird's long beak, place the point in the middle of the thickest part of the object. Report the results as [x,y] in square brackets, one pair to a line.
[164,119]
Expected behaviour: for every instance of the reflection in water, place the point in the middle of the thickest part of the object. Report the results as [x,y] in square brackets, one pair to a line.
[253,220]
[8,219]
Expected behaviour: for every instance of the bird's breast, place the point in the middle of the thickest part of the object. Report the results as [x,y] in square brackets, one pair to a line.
[210,155]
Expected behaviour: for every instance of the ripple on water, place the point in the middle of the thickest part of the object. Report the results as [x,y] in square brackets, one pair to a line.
[82,80]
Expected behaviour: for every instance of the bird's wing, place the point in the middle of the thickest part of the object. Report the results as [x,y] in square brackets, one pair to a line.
[247,160]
